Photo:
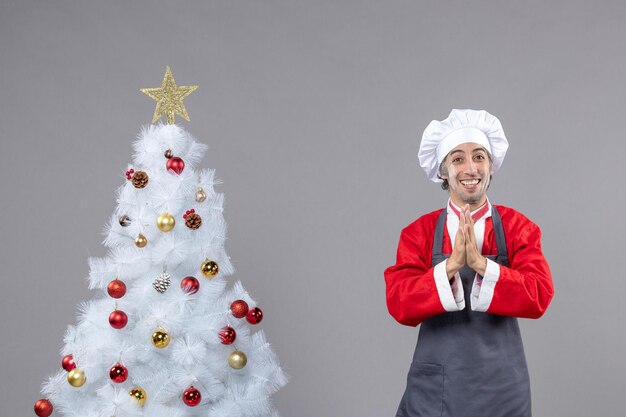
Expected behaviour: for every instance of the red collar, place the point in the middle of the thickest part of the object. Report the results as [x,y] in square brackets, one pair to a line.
[477,215]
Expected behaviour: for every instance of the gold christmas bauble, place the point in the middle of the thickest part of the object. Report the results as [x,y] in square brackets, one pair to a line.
[138,395]
[141,241]
[160,338]
[76,378]
[237,359]
[209,268]
[166,222]
[200,195]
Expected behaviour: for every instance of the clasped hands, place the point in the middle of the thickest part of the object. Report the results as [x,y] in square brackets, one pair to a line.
[465,250]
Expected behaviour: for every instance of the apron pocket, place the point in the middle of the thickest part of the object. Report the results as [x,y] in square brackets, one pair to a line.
[424,390]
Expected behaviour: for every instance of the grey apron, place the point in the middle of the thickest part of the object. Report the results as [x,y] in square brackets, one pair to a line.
[468,363]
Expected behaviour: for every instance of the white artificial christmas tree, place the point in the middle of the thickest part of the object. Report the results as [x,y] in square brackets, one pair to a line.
[168,334]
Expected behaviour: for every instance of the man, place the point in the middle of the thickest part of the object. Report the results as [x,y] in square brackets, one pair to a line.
[465,273]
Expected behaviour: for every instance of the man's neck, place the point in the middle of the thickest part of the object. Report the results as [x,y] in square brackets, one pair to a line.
[473,207]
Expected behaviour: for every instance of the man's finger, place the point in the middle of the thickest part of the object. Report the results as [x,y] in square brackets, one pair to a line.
[461,226]
[468,225]
[461,220]
[465,223]
[472,240]
[468,234]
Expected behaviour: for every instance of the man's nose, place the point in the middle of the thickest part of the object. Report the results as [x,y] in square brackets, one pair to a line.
[472,167]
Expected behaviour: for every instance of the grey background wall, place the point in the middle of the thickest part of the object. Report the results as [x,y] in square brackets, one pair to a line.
[313,112]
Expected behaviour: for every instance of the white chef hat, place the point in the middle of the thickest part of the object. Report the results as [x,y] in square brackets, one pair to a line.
[461,126]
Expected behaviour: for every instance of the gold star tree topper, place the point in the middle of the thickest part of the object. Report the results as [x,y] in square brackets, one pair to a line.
[169,98]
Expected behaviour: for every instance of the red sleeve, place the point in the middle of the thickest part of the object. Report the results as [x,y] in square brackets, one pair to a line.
[412,295]
[524,289]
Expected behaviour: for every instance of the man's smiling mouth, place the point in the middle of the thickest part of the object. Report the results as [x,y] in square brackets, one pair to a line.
[470,183]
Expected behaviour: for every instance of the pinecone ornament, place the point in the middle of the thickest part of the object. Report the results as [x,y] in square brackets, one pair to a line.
[192,220]
[162,283]
[140,179]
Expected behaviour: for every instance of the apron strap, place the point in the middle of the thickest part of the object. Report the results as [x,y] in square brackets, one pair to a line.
[503,257]
[438,240]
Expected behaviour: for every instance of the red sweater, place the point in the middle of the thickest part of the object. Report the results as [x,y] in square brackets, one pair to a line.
[523,289]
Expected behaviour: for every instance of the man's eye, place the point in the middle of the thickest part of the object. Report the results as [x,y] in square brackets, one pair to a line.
[456,159]
[480,157]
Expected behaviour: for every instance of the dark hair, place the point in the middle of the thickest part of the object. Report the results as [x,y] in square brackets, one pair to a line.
[443,170]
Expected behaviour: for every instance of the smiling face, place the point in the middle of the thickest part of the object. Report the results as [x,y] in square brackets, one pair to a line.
[467,169]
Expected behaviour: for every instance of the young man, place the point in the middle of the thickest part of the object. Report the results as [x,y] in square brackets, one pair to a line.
[465,273]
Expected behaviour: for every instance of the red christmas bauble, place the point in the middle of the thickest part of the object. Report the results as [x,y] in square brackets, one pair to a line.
[118,319]
[190,285]
[254,316]
[118,373]
[175,164]
[116,288]
[192,396]
[239,308]
[68,362]
[227,335]
[43,408]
